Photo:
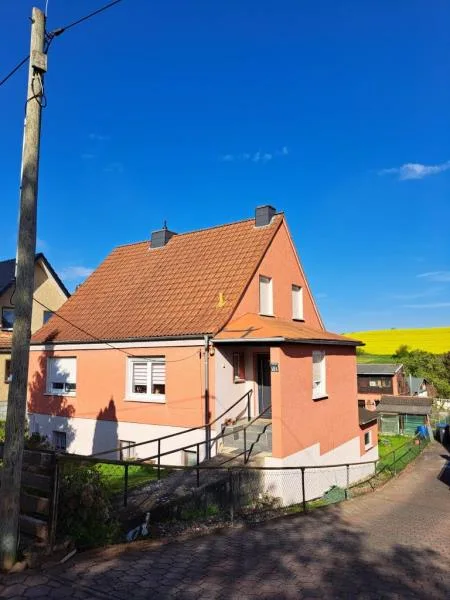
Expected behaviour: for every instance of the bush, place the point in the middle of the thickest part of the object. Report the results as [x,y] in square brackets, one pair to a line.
[84,511]
[2,431]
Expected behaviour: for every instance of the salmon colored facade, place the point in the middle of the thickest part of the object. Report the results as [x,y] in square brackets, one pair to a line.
[238,352]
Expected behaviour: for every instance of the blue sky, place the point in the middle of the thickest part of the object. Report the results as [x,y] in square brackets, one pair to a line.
[196,112]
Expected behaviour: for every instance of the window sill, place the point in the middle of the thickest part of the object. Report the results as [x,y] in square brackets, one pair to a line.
[369,447]
[62,394]
[322,397]
[237,380]
[148,399]
[298,320]
[266,315]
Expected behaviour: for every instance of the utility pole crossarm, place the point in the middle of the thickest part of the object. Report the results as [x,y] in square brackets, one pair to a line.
[26,249]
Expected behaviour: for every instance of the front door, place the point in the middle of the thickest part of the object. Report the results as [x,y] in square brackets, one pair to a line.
[263,379]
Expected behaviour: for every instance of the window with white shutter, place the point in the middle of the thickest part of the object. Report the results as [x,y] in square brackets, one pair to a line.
[146,379]
[265,296]
[318,374]
[297,302]
[62,376]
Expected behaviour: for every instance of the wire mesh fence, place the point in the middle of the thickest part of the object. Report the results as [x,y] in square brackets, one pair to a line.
[248,493]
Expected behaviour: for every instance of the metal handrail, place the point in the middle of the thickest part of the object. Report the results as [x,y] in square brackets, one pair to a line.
[171,435]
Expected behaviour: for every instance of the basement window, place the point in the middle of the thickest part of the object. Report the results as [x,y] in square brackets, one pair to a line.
[126,453]
[367,440]
[59,439]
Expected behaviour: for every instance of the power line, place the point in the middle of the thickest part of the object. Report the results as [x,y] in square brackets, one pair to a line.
[97,339]
[16,68]
[85,18]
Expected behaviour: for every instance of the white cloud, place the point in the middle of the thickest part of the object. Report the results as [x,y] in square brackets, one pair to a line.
[416,170]
[430,305]
[75,272]
[440,276]
[99,137]
[256,157]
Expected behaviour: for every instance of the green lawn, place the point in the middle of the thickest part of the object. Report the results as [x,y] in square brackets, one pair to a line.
[396,448]
[113,476]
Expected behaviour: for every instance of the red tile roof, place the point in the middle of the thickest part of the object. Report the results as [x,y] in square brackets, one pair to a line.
[5,340]
[251,327]
[141,293]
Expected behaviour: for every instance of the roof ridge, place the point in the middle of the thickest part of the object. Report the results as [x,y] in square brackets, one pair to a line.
[200,230]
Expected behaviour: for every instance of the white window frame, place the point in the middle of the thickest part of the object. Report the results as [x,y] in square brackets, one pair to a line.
[266,287]
[319,386]
[148,397]
[369,444]
[297,302]
[50,391]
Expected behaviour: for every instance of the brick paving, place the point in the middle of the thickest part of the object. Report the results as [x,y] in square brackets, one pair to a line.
[394,543]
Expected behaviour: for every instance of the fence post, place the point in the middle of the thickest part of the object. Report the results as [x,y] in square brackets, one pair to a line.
[54,507]
[125,486]
[347,486]
[245,445]
[248,406]
[159,460]
[231,494]
[198,462]
[305,508]
[394,464]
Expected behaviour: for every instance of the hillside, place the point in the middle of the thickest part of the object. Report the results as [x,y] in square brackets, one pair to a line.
[386,341]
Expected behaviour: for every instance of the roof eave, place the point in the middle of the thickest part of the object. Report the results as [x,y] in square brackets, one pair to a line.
[168,338]
[278,340]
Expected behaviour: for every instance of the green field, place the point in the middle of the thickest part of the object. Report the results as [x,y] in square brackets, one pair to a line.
[386,341]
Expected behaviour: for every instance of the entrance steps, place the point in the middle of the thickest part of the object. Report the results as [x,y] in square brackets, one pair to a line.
[258,437]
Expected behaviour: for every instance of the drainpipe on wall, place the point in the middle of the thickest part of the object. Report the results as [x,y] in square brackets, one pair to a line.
[207,412]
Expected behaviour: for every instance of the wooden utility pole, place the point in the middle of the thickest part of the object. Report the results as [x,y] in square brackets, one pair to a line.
[23,300]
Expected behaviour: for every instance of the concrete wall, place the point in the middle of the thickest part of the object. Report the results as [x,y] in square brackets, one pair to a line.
[282,265]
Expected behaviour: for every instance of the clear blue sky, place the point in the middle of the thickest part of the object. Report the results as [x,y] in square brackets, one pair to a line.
[197,111]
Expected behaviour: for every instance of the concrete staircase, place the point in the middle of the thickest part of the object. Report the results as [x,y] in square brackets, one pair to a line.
[258,437]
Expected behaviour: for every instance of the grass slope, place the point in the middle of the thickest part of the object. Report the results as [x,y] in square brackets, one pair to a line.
[386,341]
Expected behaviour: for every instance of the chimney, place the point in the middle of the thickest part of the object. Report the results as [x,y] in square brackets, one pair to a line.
[161,237]
[264,215]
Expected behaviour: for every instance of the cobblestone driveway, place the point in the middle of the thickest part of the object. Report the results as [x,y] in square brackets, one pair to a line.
[394,543]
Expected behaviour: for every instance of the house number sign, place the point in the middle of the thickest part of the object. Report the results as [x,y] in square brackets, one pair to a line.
[274,367]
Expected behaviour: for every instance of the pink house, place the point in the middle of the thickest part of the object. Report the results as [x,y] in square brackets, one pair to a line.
[169,334]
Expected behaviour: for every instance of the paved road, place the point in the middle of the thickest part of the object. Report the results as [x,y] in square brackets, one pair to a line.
[394,543]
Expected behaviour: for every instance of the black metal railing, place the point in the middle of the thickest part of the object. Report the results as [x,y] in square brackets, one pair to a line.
[247,408]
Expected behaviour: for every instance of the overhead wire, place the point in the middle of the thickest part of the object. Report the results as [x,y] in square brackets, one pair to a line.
[16,68]
[100,340]
[61,30]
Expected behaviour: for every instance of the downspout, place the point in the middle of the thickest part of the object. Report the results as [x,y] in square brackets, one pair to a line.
[207,408]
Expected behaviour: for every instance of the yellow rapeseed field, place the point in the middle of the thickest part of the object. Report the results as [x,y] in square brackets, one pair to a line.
[386,341]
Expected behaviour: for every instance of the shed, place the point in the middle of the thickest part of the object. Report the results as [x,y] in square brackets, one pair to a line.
[403,414]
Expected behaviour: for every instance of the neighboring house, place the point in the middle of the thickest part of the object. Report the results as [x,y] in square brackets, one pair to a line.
[48,289]
[166,336]
[375,380]
[368,423]
[403,414]
[419,386]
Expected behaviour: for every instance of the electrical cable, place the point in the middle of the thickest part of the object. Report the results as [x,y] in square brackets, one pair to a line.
[61,30]
[103,341]
[16,68]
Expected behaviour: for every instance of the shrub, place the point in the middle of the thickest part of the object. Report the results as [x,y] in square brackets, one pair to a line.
[84,511]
